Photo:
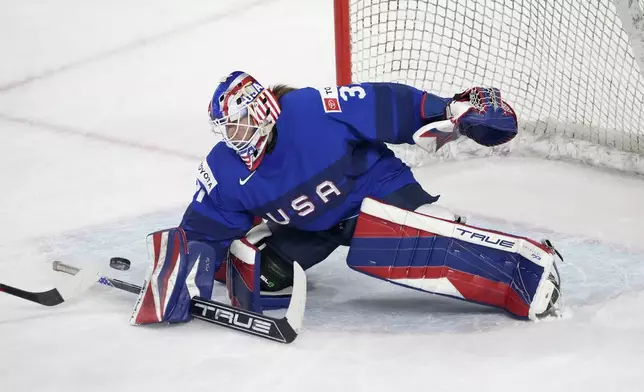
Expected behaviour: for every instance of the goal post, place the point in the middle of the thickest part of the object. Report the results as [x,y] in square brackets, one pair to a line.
[570,68]
[342,42]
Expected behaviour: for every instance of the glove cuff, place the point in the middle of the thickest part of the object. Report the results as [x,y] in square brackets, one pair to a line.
[433,108]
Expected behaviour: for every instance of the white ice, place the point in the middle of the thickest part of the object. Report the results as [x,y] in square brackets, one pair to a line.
[102,125]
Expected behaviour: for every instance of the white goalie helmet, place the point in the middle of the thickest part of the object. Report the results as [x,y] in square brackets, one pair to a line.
[243,112]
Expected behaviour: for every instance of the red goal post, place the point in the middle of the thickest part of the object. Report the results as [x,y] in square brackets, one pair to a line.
[570,68]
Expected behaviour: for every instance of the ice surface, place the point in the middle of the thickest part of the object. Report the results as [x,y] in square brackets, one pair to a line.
[103,126]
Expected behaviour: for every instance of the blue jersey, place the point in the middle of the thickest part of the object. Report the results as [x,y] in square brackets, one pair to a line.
[329,155]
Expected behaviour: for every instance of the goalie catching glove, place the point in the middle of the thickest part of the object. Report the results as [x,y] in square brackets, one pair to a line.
[479,113]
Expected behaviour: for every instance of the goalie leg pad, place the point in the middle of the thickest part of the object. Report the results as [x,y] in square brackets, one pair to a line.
[440,212]
[257,277]
[445,257]
[242,280]
[179,270]
[273,251]
[221,273]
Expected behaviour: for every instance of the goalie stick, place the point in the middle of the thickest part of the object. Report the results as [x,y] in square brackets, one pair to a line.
[284,330]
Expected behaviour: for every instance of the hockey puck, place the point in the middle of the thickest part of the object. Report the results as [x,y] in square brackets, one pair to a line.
[120,263]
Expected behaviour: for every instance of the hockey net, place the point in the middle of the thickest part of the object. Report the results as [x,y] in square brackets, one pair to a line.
[570,68]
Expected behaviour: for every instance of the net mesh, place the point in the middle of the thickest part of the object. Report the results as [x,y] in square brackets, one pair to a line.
[566,66]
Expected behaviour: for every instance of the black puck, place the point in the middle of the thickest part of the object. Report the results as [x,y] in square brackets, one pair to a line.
[120,263]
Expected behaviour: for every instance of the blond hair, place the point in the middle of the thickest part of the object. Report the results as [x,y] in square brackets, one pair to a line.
[279,90]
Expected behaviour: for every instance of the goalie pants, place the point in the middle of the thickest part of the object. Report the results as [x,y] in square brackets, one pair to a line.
[309,248]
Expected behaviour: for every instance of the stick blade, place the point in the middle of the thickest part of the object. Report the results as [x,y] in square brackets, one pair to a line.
[78,283]
[47,298]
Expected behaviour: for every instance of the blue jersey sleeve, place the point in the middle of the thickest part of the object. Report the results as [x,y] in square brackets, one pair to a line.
[212,216]
[384,112]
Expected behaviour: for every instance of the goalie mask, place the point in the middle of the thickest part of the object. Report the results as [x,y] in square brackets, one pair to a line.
[243,112]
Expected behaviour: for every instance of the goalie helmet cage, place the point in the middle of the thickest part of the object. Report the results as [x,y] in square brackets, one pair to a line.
[570,68]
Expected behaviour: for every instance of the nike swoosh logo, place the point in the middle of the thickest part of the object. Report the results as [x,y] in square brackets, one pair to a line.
[245,180]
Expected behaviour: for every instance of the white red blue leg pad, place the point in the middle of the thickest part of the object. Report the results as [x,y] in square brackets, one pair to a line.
[244,274]
[179,271]
[447,258]
[259,231]
[242,280]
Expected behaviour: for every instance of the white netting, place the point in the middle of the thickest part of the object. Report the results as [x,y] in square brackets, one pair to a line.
[566,66]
